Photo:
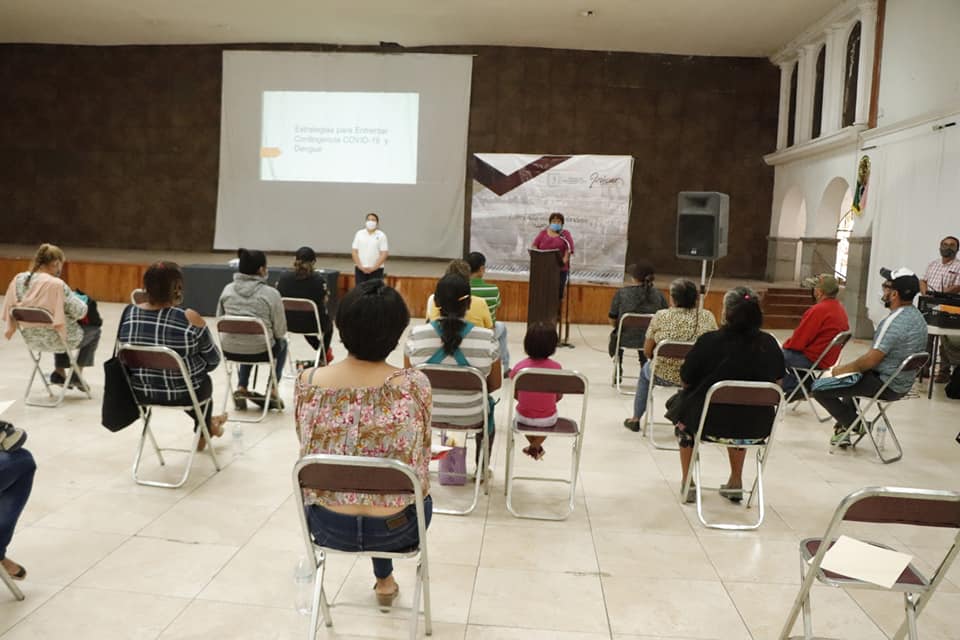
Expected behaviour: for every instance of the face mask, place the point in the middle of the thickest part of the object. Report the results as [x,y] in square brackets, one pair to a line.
[554,226]
[885,299]
[947,252]
[178,297]
[371,224]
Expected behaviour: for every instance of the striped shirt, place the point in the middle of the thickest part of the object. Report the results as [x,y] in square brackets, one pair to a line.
[900,334]
[479,347]
[490,293]
[168,327]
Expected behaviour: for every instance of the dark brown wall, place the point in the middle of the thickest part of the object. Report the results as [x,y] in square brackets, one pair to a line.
[119,146]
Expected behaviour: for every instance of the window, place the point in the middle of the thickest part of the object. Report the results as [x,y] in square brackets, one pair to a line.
[792,113]
[818,93]
[851,76]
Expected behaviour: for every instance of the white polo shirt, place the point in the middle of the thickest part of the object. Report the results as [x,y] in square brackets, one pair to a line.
[369,245]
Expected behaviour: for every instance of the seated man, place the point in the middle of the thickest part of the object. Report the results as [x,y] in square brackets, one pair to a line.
[900,334]
[490,293]
[819,325]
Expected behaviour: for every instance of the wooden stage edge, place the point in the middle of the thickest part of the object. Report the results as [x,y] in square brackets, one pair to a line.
[111,278]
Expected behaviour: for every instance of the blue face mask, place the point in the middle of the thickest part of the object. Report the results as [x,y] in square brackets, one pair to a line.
[556,226]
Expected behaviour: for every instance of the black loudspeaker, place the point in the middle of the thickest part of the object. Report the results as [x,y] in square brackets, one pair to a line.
[702,223]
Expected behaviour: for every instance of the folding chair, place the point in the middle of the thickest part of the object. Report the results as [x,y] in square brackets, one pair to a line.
[665,349]
[454,379]
[170,363]
[302,313]
[813,373]
[36,317]
[11,585]
[627,321]
[746,394]
[547,381]
[882,505]
[360,474]
[861,427]
[248,326]
[138,296]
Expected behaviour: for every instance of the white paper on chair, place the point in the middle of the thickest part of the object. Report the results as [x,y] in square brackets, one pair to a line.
[863,561]
[5,404]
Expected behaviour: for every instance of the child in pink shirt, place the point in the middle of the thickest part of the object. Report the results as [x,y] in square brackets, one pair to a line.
[537,409]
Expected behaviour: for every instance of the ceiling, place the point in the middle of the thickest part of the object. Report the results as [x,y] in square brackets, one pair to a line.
[691,27]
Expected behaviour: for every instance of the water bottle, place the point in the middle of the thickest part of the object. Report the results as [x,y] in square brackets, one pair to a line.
[303,584]
[236,435]
[880,435]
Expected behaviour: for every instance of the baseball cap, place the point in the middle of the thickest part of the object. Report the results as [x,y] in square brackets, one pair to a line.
[306,254]
[825,282]
[903,281]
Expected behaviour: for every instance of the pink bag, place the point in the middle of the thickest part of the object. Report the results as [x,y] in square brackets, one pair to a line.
[453,467]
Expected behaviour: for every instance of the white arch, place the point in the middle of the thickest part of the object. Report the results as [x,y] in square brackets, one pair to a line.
[829,211]
[793,214]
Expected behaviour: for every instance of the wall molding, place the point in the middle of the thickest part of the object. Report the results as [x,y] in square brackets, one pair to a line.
[846,138]
[907,128]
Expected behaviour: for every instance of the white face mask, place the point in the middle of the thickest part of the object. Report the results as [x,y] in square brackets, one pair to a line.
[371,224]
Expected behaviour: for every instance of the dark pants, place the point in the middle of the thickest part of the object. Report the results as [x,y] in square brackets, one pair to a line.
[203,392]
[793,359]
[839,402]
[360,277]
[563,282]
[88,347]
[16,480]
[398,532]
[279,357]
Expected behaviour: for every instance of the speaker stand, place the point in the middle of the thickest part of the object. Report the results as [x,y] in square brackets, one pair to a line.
[565,326]
[703,282]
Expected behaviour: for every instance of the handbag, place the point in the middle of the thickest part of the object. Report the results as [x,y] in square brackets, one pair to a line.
[119,409]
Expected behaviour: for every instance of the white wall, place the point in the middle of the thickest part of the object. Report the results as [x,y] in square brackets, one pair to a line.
[919,71]
[812,176]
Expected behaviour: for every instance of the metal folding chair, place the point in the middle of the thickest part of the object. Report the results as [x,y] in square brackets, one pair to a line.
[627,321]
[248,326]
[882,505]
[11,585]
[138,296]
[303,319]
[359,474]
[861,427]
[169,361]
[742,393]
[665,349]
[547,381]
[462,380]
[32,317]
[813,373]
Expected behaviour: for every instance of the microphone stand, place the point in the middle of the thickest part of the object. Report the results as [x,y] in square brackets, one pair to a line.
[565,341]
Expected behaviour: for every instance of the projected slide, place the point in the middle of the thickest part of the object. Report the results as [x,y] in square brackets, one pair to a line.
[339,136]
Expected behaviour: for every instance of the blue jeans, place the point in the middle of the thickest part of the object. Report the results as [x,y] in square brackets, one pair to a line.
[500,333]
[279,357]
[793,358]
[16,480]
[643,389]
[367,533]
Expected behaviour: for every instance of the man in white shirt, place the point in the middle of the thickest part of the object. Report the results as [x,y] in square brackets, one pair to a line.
[369,251]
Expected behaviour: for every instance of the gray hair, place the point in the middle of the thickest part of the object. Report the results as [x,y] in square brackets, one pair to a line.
[684,293]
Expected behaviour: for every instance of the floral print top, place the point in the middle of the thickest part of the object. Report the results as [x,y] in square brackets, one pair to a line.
[389,421]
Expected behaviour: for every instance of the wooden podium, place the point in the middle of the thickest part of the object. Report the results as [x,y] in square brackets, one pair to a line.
[543,300]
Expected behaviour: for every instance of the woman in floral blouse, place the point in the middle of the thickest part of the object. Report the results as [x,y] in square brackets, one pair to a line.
[363,406]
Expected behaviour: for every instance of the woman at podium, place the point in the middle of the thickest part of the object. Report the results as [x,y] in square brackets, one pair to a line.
[555,237]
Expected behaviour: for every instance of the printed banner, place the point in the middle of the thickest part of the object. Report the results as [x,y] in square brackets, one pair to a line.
[514,195]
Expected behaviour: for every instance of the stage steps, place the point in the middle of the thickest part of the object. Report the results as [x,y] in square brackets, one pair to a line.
[784,306]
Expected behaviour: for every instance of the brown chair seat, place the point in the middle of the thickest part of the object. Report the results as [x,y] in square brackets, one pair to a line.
[564,426]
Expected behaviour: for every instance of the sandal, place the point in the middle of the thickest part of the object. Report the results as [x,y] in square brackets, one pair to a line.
[733,494]
[240,400]
[386,599]
[216,425]
[537,453]
[19,574]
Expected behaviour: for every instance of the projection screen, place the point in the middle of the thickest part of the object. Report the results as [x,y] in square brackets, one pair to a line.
[311,142]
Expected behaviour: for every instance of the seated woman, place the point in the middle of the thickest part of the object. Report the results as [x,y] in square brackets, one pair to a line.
[250,295]
[392,409]
[305,282]
[17,468]
[42,287]
[160,322]
[478,313]
[454,341]
[640,296]
[682,322]
[739,350]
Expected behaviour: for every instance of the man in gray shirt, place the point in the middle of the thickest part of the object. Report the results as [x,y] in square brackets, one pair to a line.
[900,334]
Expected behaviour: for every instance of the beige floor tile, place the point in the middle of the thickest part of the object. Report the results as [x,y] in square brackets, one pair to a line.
[161,567]
[94,614]
[56,559]
[626,554]
[203,620]
[478,632]
[756,560]
[206,520]
[938,621]
[698,609]
[110,512]
[13,611]
[515,547]
[537,599]
[452,540]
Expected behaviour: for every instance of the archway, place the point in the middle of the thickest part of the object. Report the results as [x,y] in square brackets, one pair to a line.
[832,221]
[793,222]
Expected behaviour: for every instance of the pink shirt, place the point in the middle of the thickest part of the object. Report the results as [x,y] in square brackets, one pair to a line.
[533,404]
[562,243]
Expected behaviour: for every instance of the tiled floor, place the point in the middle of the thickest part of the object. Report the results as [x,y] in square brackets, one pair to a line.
[215,559]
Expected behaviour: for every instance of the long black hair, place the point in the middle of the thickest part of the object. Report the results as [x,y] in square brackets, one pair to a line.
[741,312]
[643,272]
[452,297]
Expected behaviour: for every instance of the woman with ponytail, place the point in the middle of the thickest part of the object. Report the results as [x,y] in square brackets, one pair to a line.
[739,350]
[639,296]
[452,340]
[42,287]
[305,282]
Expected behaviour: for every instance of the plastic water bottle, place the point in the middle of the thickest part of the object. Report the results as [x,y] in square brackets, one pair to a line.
[303,584]
[880,435]
[236,435]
